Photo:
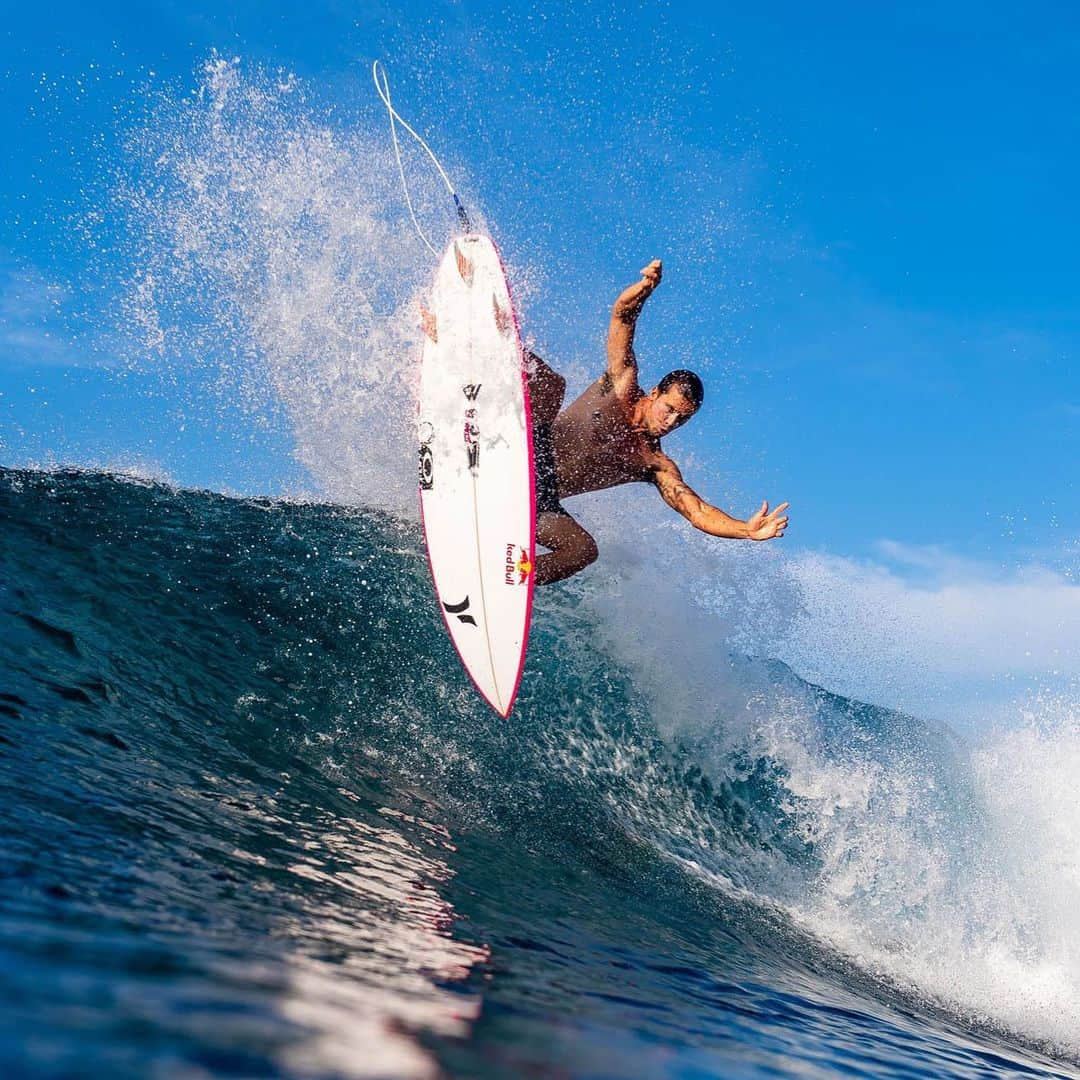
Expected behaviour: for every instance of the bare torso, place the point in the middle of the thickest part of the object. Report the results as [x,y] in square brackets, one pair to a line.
[611,435]
[596,445]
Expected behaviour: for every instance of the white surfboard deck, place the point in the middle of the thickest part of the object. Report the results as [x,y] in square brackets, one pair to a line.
[477,488]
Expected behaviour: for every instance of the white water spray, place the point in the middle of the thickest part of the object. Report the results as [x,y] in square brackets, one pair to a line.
[276,264]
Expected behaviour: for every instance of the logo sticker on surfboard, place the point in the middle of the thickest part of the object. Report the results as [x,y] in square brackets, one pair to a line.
[427,459]
[518,565]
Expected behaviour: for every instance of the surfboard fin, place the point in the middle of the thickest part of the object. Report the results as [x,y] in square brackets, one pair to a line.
[429,323]
[464,265]
[502,316]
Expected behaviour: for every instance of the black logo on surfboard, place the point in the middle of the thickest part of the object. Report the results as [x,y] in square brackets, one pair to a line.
[472,435]
[471,390]
[460,611]
[427,468]
[427,461]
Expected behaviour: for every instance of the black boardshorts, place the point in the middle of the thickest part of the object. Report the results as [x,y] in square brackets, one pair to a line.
[547,478]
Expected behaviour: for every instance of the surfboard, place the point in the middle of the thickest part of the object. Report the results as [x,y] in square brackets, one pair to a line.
[477,486]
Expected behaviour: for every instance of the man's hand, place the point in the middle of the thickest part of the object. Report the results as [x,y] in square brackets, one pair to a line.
[630,301]
[652,273]
[764,526]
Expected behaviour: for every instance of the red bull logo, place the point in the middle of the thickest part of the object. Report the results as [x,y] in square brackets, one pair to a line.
[518,565]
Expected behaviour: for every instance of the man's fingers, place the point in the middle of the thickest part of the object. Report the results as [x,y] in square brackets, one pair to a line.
[653,271]
[773,526]
[781,508]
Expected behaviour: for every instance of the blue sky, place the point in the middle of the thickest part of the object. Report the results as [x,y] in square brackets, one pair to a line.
[867,216]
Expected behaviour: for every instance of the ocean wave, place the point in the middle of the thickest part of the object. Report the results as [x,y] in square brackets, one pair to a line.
[201,692]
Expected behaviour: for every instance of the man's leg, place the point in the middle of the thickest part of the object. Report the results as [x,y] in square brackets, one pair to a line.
[546,391]
[571,547]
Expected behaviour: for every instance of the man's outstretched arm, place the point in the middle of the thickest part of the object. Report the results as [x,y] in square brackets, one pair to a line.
[622,364]
[678,494]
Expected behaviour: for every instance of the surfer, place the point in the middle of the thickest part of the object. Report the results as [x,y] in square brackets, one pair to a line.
[611,435]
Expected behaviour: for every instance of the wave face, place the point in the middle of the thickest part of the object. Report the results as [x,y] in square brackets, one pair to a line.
[256,822]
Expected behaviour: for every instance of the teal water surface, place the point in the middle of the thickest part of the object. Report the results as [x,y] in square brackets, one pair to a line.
[257,823]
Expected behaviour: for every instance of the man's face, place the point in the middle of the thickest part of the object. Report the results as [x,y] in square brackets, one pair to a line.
[667,411]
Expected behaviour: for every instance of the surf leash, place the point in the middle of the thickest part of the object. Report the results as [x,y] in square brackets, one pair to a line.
[383,89]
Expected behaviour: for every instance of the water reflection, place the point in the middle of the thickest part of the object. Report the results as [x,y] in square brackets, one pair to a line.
[371,949]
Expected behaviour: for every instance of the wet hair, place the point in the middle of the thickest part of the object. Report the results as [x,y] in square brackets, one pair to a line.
[687,382]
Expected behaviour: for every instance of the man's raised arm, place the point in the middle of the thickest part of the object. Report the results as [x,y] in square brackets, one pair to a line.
[678,494]
[622,364]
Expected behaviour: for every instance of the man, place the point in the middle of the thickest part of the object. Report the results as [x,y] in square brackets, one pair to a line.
[611,435]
